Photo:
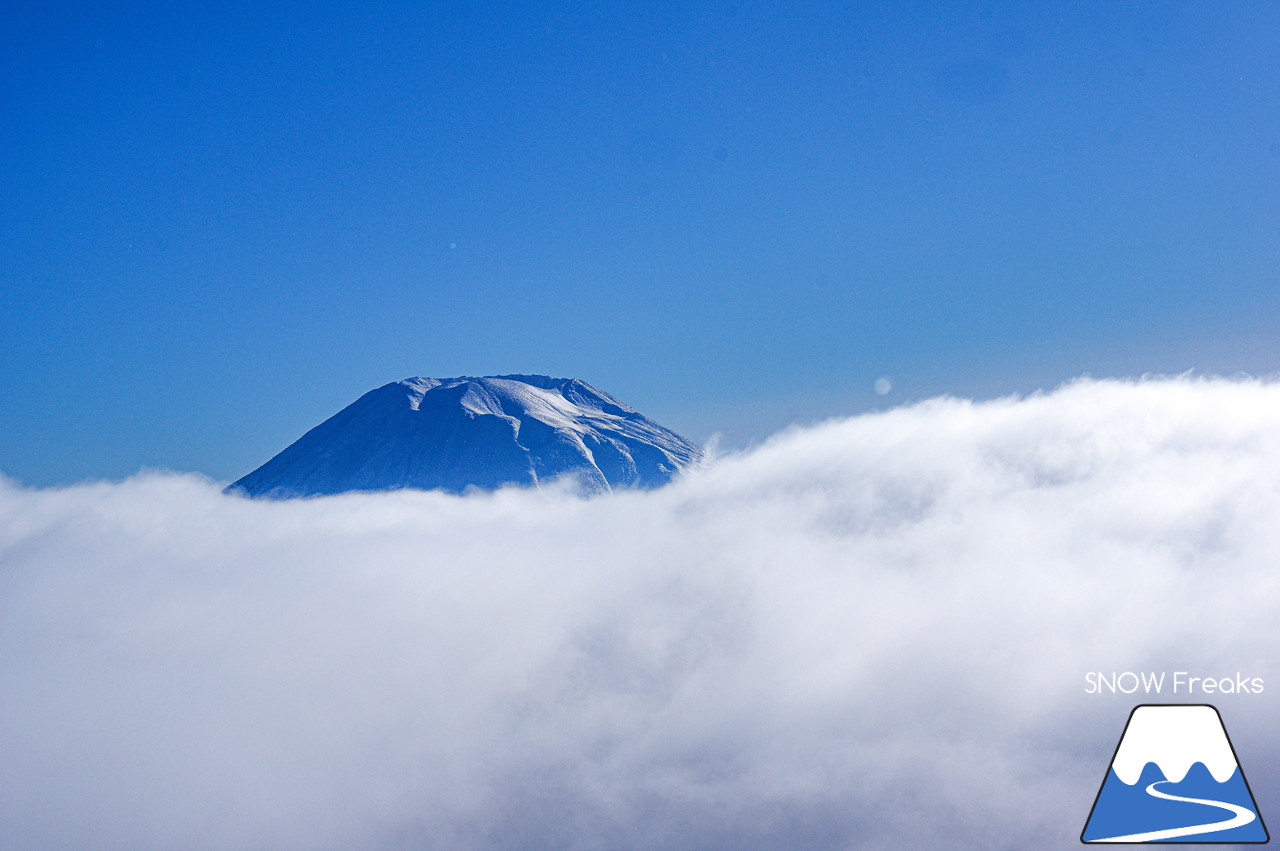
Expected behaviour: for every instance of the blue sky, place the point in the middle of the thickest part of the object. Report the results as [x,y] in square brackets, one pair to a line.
[224,222]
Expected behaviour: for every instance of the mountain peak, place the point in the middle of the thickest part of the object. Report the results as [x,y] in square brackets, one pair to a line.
[1174,741]
[482,432]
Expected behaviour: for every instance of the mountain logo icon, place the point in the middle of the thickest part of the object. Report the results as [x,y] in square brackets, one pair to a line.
[1175,778]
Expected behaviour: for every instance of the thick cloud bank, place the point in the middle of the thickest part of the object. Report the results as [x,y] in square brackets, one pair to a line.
[871,633]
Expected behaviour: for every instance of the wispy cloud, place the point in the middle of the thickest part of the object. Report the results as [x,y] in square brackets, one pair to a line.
[870,633]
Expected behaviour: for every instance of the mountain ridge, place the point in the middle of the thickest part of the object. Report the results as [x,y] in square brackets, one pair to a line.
[482,432]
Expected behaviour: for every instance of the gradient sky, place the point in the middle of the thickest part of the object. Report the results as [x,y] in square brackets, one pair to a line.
[223,222]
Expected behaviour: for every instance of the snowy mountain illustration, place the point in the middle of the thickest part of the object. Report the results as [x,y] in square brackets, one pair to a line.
[1175,778]
[457,433]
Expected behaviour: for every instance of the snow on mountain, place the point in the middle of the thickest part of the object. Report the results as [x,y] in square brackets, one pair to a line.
[457,433]
[1174,738]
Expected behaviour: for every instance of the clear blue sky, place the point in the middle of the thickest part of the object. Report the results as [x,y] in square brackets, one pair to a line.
[223,222]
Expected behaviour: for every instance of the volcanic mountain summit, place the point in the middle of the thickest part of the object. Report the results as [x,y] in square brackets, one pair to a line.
[453,434]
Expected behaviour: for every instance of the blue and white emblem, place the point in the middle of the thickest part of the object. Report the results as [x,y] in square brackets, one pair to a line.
[1175,778]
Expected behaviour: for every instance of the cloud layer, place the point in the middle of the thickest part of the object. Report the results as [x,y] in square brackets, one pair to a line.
[870,633]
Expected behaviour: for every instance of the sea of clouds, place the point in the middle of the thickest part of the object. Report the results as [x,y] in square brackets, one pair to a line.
[870,633]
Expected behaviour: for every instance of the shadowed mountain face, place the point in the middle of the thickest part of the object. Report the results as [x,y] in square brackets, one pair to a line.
[456,433]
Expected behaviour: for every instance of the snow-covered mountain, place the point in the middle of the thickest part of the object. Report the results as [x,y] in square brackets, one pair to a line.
[455,433]
[1174,738]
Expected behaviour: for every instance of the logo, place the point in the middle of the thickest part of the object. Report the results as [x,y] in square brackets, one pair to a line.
[1175,778]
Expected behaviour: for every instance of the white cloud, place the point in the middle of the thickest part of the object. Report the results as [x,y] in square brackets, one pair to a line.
[871,633]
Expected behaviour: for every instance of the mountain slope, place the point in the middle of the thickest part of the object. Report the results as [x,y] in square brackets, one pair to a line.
[456,433]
